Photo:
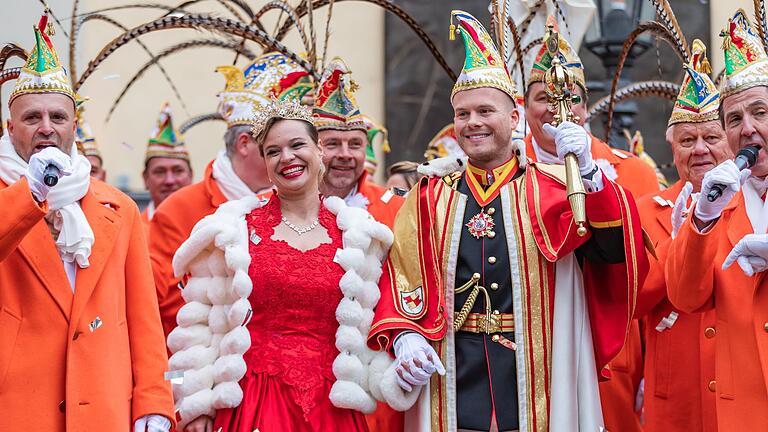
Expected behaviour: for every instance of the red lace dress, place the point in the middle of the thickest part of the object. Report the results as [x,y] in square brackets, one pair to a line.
[293,328]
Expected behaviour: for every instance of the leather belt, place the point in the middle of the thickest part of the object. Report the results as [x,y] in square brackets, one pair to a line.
[480,323]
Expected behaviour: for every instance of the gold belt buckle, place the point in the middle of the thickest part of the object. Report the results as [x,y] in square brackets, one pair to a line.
[490,323]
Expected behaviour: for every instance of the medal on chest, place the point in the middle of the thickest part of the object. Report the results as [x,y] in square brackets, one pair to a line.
[481,225]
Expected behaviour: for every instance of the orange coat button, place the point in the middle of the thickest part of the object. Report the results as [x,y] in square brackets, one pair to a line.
[709,332]
[712,385]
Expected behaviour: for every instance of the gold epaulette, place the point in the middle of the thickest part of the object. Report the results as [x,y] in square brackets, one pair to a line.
[452,179]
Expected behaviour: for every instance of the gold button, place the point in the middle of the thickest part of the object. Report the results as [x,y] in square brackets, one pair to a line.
[494,286]
[491,210]
[495,338]
[492,260]
[711,386]
[709,333]
[492,234]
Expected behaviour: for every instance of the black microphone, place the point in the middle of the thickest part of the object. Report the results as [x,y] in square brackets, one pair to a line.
[51,175]
[745,158]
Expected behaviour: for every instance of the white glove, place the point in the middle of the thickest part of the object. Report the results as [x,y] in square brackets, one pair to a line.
[572,138]
[152,423]
[36,170]
[726,174]
[681,208]
[751,252]
[416,361]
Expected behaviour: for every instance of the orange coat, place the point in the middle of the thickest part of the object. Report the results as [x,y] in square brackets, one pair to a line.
[145,222]
[56,374]
[696,282]
[382,203]
[170,226]
[679,360]
[617,395]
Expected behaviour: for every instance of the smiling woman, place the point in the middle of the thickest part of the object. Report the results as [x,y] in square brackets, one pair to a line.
[300,309]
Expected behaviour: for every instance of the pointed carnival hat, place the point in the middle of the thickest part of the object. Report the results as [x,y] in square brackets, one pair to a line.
[378,136]
[84,139]
[568,58]
[272,75]
[443,144]
[43,72]
[335,104]
[698,100]
[483,66]
[746,64]
[165,141]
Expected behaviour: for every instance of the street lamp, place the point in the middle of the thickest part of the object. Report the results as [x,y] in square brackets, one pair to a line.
[614,21]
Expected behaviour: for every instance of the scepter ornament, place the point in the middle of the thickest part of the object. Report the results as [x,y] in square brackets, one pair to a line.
[559,85]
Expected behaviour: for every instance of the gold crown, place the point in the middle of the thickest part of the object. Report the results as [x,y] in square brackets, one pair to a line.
[287,109]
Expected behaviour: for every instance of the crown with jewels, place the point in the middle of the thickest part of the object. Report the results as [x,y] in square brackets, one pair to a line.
[288,109]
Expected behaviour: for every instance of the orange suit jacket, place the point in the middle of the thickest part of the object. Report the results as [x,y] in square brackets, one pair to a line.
[679,360]
[696,282]
[617,395]
[60,370]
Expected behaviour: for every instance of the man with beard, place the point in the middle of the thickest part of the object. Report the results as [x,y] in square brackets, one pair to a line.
[499,314]
[238,170]
[680,346]
[343,139]
[718,260]
[166,163]
[81,346]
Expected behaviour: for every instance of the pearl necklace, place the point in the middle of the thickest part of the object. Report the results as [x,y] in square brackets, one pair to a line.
[298,230]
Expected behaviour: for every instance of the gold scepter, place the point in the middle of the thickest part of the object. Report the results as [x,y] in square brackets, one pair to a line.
[559,85]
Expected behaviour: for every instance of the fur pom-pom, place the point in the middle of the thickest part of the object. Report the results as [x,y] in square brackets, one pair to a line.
[349,312]
[349,339]
[351,284]
[348,367]
[195,405]
[443,166]
[366,321]
[196,290]
[217,319]
[194,357]
[334,204]
[242,284]
[237,257]
[351,259]
[376,368]
[217,263]
[199,266]
[229,368]
[239,313]
[227,395]
[195,380]
[349,395]
[183,337]
[356,238]
[393,394]
[370,294]
[217,290]
[192,313]
[236,341]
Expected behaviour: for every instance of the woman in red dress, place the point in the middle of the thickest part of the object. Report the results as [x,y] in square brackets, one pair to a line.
[295,377]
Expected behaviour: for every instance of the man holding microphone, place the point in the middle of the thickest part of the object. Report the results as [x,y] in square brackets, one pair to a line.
[81,346]
[718,260]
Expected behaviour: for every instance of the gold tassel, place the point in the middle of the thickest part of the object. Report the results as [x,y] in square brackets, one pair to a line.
[49,29]
[452,32]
